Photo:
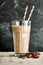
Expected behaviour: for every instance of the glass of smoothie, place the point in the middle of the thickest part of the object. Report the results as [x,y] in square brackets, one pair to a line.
[21,37]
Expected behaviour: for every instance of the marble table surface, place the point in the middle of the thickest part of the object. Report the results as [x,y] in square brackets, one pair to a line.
[8,58]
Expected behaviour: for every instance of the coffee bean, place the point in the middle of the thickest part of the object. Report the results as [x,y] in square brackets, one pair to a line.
[29,55]
[35,55]
[37,52]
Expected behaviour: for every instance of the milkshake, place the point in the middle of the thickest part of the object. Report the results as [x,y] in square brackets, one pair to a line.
[21,34]
[21,37]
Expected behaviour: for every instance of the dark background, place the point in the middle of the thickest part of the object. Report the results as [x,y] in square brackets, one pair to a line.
[13,10]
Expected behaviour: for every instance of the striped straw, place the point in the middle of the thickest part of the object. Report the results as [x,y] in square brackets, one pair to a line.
[31,13]
[24,15]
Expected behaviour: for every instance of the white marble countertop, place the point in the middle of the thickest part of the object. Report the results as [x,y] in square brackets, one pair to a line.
[5,58]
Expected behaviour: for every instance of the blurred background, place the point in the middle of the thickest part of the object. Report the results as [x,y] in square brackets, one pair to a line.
[11,10]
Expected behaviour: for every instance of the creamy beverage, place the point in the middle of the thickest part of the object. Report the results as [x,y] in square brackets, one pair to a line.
[21,34]
[21,37]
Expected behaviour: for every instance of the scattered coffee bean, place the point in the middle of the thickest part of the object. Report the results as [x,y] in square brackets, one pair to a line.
[35,55]
[29,55]
[37,52]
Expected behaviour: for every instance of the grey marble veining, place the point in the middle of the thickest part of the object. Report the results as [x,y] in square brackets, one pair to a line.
[11,10]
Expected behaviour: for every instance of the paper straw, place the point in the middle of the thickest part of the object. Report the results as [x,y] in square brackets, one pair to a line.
[24,15]
[31,13]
